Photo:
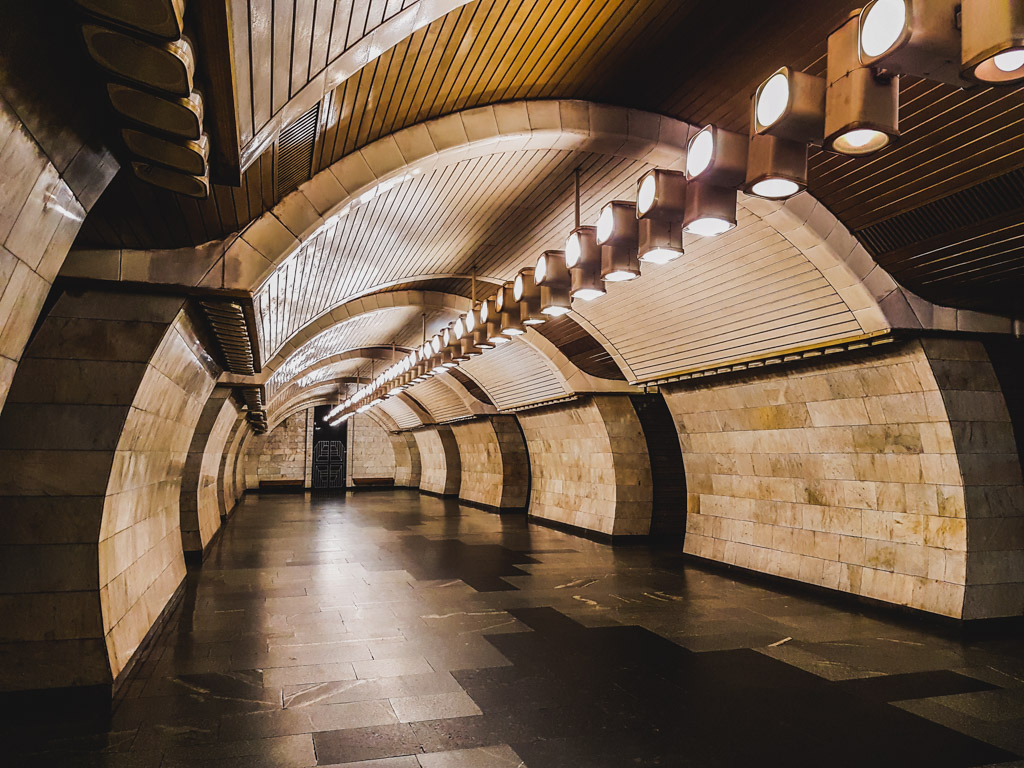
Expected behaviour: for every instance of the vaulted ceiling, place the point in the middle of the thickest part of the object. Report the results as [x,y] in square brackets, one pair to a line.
[942,210]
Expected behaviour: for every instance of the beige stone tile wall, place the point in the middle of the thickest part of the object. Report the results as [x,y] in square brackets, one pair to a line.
[859,475]
[200,503]
[407,459]
[281,453]
[370,455]
[589,465]
[43,202]
[495,469]
[232,479]
[440,461]
[93,441]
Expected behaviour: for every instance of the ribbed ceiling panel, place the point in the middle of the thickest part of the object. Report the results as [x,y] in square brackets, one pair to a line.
[746,293]
[440,400]
[399,325]
[401,413]
[515,374]
[495,213]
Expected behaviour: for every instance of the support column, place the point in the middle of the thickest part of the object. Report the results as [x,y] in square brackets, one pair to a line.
[200,504]
[407,459]
[441,463]
[495,466]
[93,440]
[893,476]
[589,466]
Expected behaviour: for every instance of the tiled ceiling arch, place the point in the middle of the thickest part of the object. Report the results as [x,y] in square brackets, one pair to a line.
[398,325]
[495,213]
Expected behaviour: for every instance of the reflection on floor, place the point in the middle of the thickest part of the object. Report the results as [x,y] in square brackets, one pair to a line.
[390,630]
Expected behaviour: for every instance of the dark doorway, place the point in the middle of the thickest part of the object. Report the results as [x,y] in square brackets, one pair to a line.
[328,452]
[668,514]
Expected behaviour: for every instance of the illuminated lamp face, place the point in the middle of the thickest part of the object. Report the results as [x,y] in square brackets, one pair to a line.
[772,99]
[701,152]
[517,288]
[709,227]
[605,223]
[881,26]
[572,250]
[645,196]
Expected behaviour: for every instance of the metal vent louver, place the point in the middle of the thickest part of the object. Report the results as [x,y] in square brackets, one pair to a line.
[961,209]
[227,319]
[295,151]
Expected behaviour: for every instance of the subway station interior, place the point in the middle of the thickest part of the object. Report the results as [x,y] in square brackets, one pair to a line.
[512,383]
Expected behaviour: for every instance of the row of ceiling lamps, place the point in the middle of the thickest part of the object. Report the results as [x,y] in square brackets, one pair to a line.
[853,111]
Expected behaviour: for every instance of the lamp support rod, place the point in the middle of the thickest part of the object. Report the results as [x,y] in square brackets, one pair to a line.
[576,173]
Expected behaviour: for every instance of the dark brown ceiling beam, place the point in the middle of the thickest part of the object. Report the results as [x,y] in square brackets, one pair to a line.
[217,60]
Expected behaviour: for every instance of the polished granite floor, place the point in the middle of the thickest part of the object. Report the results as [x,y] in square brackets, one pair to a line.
[390,630]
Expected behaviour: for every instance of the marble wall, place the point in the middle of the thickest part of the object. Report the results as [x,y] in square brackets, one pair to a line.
[370,454]
[200,504]
[51,179]
[440,462]
[495,467]
[232,476]
[892,476]
[407,459]
[280,454]
[93,441]
[589,465]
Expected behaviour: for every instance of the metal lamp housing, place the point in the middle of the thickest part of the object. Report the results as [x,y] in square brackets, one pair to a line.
[583,257]
[776,168]
[661,241]
[554,280]
[527,293]
[791,105]
[661,194]
[862,106]
[616,225]
[992,41]
[710,210]
[912,37]
[715,156]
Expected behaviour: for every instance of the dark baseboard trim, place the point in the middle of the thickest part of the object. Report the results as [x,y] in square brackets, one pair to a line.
[960,628]
[49,702]
[493,509]
[196,557]
[439,495]
[361,488]
[586,533]
[158,626]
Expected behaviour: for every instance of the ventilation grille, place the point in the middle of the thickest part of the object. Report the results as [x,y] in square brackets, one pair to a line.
[256,415]
[295,151]
[227,319]
[961,209]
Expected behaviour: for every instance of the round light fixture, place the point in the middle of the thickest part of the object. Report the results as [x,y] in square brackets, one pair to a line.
[1009,61]
[555,311]
[775,188]
[644,200]
[459,330]
[517,288]
[470,320]
[513,331]
[605,223]
[572,250]
[435,344]
[446,337]
[708,227]
[587,294]
[881,25]
[484,312]
[702,148]
[860,141]
[541,270]
[772,99]
[620,276]
[661,255]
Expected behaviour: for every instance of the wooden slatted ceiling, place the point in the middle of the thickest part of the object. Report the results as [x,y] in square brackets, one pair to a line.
[582,349]
[403,415]
[281,45]
[692,60]
[497,213]
[743,294]
[440,400]
[514,374]
[399,325]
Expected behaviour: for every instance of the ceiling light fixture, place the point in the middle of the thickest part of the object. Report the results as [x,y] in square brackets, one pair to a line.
[912,37]
[583,258]
[661,207]
[992,41]
[618,235]
[552,275]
